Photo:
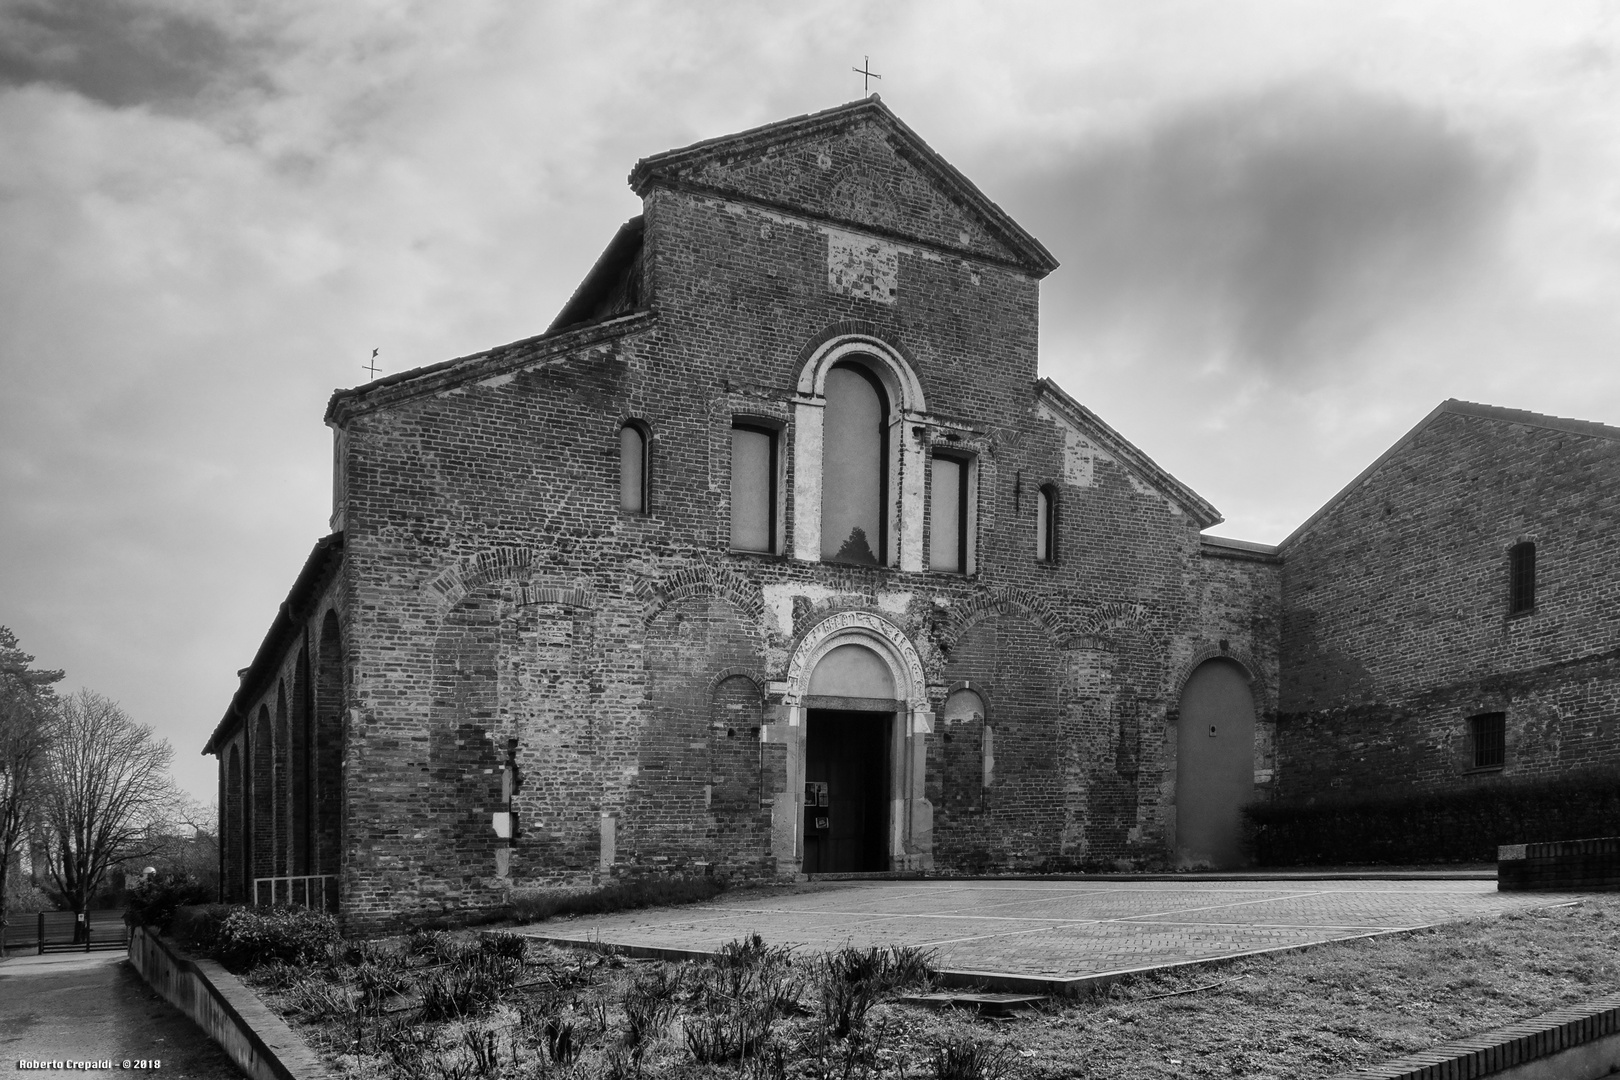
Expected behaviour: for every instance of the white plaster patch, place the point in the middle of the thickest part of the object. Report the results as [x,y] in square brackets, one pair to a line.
[895,603]
[1142,487]
[862,266]
[1080,457]
[497,380]
[779,601]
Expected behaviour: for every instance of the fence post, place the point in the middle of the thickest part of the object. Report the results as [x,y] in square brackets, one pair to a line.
[42,933]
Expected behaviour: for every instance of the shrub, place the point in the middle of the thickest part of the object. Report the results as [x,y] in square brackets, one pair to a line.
[250,937]
[852,980]
[154,900]
[1451,825]
[965,1059]
[628,895]
[467,985]
[740,995]
[196,928]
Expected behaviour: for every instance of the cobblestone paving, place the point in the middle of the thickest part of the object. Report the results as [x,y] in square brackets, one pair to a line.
[1060,929]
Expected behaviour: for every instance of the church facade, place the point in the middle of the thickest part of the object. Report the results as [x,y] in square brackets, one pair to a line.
[773,555]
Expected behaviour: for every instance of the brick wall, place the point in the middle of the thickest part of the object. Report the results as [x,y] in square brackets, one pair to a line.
[495,591]
[1395,612]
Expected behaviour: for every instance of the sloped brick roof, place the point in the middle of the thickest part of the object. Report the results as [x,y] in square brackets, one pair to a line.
[1456,407]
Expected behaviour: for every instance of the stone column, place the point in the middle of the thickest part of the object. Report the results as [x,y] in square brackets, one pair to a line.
[913,483]
[787,807]
[807,428]
[918,845]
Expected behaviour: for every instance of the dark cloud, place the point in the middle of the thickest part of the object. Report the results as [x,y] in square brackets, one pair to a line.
[121,53]
[1279,228]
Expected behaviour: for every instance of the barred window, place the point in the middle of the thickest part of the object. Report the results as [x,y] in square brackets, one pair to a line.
[1521,578]
[1489,734]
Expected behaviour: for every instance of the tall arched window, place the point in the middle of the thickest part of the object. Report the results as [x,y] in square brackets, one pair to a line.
[633,444]
[1046,517]
[232,831]
[854,468]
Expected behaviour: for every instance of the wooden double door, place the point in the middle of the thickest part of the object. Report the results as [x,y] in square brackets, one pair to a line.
[846,772]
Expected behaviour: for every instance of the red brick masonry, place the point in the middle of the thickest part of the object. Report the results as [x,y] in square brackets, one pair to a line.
[1564,866]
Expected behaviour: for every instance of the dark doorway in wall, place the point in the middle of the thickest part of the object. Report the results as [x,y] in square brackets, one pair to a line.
[846,773]
[1214,765]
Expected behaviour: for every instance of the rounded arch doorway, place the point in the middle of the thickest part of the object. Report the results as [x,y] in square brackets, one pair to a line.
[1214,765]
[850,730]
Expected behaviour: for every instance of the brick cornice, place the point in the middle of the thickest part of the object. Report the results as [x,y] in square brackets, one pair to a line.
[407,385]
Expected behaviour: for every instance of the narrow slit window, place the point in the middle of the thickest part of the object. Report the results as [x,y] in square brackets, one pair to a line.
[1046,514]
[948,523]
[1488,732]
[632,469]
[1521,578]
[753,488]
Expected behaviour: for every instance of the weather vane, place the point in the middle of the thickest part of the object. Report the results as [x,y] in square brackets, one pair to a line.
[866,73]
[372,365]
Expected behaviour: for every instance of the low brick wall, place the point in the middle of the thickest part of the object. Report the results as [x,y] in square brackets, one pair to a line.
[1564,866]
[1579,1042]
[257,1040]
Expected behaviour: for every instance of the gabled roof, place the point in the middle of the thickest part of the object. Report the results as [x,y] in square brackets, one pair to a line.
[433,378]
[1128,455]
[1459,408]
[318,568]
[611,278]
[673,167]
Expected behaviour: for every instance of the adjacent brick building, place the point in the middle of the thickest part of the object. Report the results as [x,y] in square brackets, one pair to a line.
[1452,617]
[775,555]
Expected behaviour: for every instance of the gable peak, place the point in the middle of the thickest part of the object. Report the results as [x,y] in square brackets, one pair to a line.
[856,164]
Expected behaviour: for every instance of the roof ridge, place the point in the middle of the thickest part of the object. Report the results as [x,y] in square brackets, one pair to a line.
[514,353]
[1024,248]
[1525,416]
[1196,505]
[1457,407]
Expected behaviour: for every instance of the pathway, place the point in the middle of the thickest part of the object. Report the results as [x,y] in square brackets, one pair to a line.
[1059,931]
[94,1007]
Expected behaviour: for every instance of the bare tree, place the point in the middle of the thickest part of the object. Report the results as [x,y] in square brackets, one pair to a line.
[26,704]
[107,796]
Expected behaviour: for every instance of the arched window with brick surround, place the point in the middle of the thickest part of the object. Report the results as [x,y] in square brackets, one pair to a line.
[330,698]
[635,446]
[1046,524]
[855,467]
[283,799]
[232,829]
[859,460]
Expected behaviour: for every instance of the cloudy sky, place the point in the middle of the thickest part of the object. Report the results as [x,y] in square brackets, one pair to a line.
[1288,230]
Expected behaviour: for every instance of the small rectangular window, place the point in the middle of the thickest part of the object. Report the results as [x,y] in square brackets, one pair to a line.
[948,521]
[1521,578]
[1488,731]
[753,488]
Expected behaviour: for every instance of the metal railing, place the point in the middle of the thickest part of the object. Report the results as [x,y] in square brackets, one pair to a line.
[317,891]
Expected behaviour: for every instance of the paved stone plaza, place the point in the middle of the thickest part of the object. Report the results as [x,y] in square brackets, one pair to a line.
[1060,933]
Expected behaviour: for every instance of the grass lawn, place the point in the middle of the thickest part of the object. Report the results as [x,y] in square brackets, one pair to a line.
[397,1009]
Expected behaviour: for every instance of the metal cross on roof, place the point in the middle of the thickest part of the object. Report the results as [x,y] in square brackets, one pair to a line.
[866,73]
[372,366]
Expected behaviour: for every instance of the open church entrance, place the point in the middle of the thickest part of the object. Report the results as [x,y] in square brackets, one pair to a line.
[846,804]
[848,762]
